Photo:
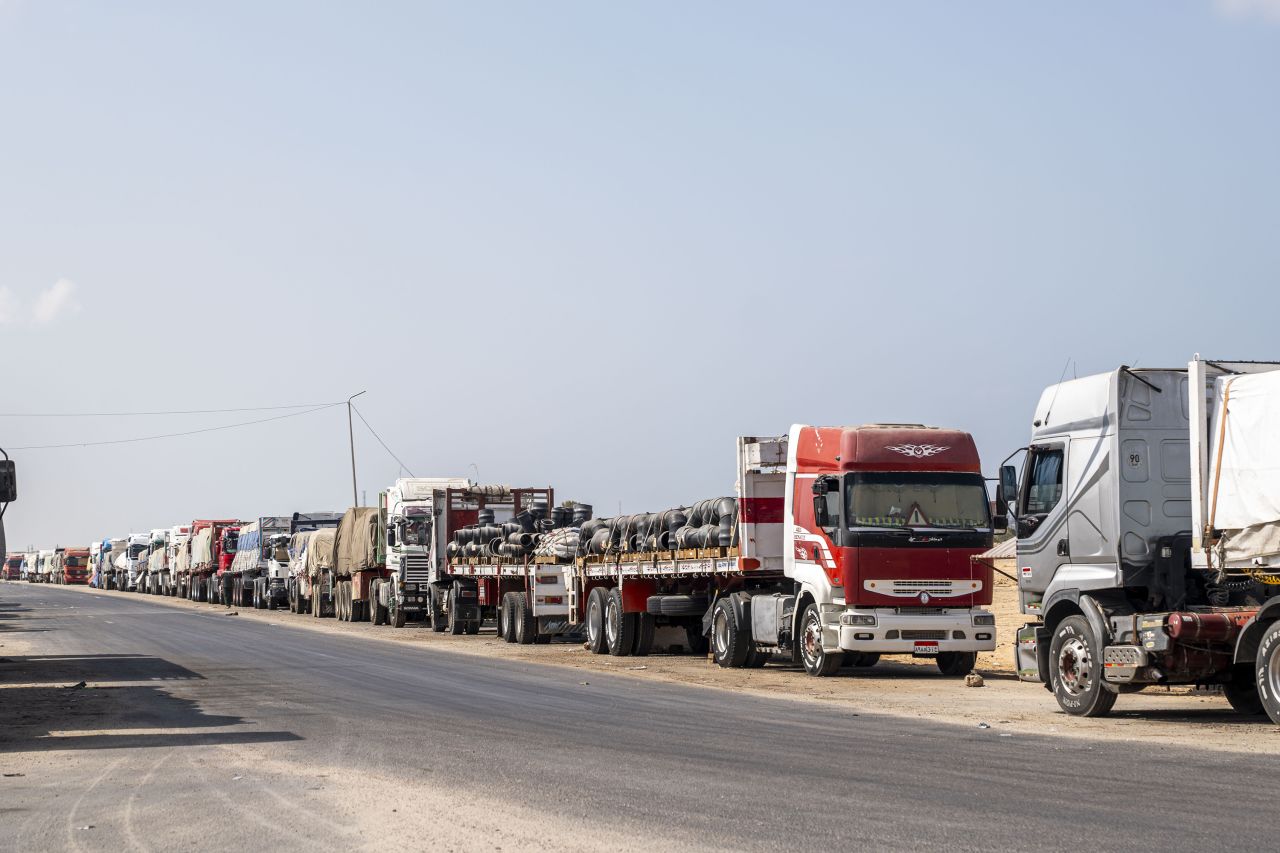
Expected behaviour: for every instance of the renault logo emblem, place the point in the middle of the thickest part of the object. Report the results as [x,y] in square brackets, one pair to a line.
[924,598]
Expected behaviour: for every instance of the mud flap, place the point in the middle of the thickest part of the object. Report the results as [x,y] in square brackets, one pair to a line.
[1026,658]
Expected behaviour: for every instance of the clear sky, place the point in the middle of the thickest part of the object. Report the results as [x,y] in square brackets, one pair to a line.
[587,244]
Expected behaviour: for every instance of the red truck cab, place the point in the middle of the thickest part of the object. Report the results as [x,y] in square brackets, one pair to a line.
[885,519]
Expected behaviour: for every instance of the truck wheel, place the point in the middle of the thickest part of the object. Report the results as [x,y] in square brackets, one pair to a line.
[957,664]
[526,628]
[377,613]
[396,614]
[1075,670]
[730,644]
[1267,669]
[697,641]
[862,659]
[1242,691]
[646,625]
[456,625]
[816,660]
[437,619]
[596,605]
[505,625]
[619,627]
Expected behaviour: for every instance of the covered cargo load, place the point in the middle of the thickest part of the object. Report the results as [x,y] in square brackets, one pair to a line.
[359,545]
[182,560]
[320,555]
[156,562]
[1244,465]
[202,548]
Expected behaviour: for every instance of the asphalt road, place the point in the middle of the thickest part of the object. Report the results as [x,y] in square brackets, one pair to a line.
[143,758]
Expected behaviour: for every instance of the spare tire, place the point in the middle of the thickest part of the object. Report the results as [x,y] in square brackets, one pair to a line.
[677,605]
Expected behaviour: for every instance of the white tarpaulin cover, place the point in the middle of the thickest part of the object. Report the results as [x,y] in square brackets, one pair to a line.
[202,548]
[1246,487]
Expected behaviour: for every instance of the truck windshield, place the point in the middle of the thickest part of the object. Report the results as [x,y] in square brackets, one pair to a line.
[916,499]
[417,530]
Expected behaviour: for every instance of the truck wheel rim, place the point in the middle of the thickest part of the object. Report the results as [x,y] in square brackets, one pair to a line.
[721,634]
[1075,666]
[610,624]
[1273,675]
[811,642]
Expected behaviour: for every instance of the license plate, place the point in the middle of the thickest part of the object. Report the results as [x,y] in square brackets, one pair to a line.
[926,649]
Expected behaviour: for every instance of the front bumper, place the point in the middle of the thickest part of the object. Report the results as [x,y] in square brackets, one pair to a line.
[922,635]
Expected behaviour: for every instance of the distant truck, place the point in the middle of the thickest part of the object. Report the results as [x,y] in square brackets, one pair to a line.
[259,574]
[1148,524]
[206,555]
[343,575]
[73,566]
[44,567]
[154,562]
[131,563]
[175,542]
[13,567]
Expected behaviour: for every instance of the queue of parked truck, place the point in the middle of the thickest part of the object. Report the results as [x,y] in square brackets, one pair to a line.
[1146,512]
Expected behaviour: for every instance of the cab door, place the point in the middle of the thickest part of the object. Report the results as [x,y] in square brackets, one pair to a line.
[1043,541]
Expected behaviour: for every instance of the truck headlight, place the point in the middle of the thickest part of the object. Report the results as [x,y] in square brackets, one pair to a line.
[859,619]
[984,619]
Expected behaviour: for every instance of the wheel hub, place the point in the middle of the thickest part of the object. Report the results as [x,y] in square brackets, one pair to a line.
[1075,666]
[812,640]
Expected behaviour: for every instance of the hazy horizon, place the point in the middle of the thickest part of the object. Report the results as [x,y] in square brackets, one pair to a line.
[586,245]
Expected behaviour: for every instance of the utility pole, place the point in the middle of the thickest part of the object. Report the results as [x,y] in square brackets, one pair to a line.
[351,436]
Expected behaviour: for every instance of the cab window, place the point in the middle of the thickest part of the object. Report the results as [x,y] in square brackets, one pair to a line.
[1044,481]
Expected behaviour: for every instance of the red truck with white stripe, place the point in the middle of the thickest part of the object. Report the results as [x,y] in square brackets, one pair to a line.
[851,543]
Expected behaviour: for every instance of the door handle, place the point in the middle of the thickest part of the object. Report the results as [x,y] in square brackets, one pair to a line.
[1063,549]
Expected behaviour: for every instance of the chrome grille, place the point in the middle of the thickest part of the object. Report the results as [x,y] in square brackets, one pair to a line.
[417,568]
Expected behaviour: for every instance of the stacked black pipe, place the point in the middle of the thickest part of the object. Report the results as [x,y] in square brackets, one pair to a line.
[518,537]
[711,523]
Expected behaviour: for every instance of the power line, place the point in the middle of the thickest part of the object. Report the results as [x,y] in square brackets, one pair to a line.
[177,434]
[313,406]
[383,443]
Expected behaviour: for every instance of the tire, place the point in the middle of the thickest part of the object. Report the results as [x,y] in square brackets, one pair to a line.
[396,615]
[645,627]
[597,602]
[525,627]
[677,605]
[697,641]
[862,660]
[957,664]
[471,628]
[1075,670]
[456,625]
[756,657]
[1242,691]
[439,622]
[377,613]
[817,661]
[730,643]
[619,627]
[503,605]
[1267,671]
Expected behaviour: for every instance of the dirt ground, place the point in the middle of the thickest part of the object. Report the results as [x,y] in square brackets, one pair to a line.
[895,686]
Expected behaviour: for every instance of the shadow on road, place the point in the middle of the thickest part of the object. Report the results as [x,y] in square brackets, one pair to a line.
[69,669]
[79,713]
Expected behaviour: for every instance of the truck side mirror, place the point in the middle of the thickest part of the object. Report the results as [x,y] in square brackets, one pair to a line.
[820,510]
[8,481]
[391,536]
[999,515]
[1007,489]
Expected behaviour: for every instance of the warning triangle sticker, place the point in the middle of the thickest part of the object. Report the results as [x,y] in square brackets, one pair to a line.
[917,519]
